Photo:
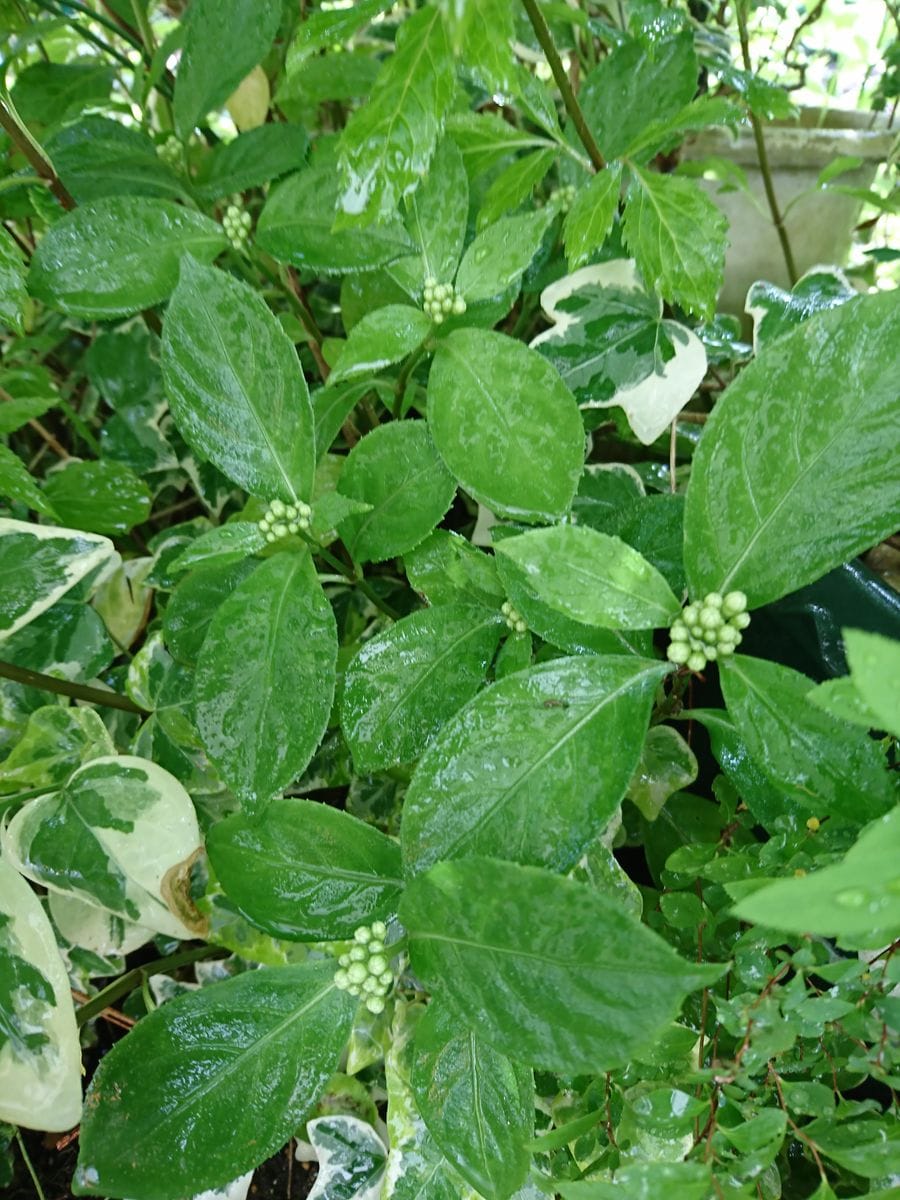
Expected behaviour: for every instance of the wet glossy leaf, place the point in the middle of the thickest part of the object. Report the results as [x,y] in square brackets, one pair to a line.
[484,138]
[793,474]
[351,1159]
[388,143]
[17,485]
[591,216]
[328,27]
[500,255]
[224,40]
[253,159]
[646,1181]
[775,311]
[549,971]
[678,237]
[176,1107]
[870,1148]
[406,682]
[109,837]
[437,212]
[296,227]
[553,747]
[222,546]
[55,741]
[308,872]
[50,92]
[446,568]
[195,601]
[39,564]
[101,496]
[265,678]
[98,157]
[12,283]
[590,577]
[40,1055]
[396,469]
[380,339]
[514,185]
[484,34]
[505,424]
[115,256]
[855,900]
[667,765]
[828,767]
[235,385]
[875,669]
[478,1105]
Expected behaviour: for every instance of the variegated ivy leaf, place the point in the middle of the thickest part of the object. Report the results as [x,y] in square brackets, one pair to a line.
[97,930]
[110,837]
[775,311]
[40,1055]
[351,1159]
[611,345]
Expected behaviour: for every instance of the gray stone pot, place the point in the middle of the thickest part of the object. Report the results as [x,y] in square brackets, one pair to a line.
[820,224]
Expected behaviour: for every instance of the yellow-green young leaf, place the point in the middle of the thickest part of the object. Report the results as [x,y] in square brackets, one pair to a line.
[678,237]
[388,142]
[590,218]
[856,900]
[40,1055]
[527,457]
[39,564]
[406,682]
[500,255]
[117,256]
[176,1107]
[396,470]
[549,971]
[590,577]
[478,1104]
[381,338]
[438,212]
[794,474]
[12,283]
[17,485]
[235,385]
[224,40]
[875,670]
[109,837]
[830,768]
[308,872]
[265,679]
[549,748]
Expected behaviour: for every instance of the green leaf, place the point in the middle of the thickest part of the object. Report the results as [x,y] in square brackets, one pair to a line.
[224,40]
[446,569]
[40,1054]
[775,311]
[817,478]
[590,577]
[329,27]
[549,971]
[841,699]
[308,872]
[484,138]
[500,255]
[12,283]
[875,670]
[591,216]
[295,226]
[117,256]
[611,345]
[388,143]
[396,469]
[667,765]
[17,485]
[55,741]
[47,93]
[109,837]
[437,212]
[487,35]
[235,385]
[351,1159]
[677,236]
[222,546]
[276,626]
[636,85]
[194,603]
[253,159]
[381,338]
[478,1104]
[177,1107]
[870,1148]
[527,457]
[647,1181]
[552,747]
[514,185]
[856,900]
[828,767]
[405,683]
[39,564]
[101,496]
[99,157]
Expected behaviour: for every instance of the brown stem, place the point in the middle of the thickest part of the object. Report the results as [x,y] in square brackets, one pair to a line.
[41,165]
[65,687]
[573,108]
[762,154]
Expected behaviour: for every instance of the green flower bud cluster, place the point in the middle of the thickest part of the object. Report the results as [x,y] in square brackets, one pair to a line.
[364,970]
[236,223]
[514,618]
[707,631]
[281,519]
[563,197]
[170,151]
[442,300]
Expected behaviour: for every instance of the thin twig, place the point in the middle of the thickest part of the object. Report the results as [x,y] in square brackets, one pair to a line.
[132,979]
[673,456]
[24,142]
[28,1164]
[65,687]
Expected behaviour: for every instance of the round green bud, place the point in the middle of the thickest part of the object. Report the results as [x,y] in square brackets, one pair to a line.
[341,979]
[713,600]
[679,631]
[277,508]
[711,653]
[375,1005]
[728,636]
[377,964]
[371,985]
[270,537]
[379,930]
[697,661]
[741,620]
[438,318]
[725,649]
[363,935]
[357,972]
[505,608]
[387,978]
[734,603]
[446,304]
[710,618]
[678,652]
[344,960]
[293,527]
[459,305]
[520,626]
[691,615]
[376,946]
[430,281]
[429,294]
[354,989]
[357,954]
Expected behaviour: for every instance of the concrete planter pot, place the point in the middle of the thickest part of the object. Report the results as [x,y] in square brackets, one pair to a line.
[820,224]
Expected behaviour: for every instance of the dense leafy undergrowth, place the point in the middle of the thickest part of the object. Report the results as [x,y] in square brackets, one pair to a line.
[398,753]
